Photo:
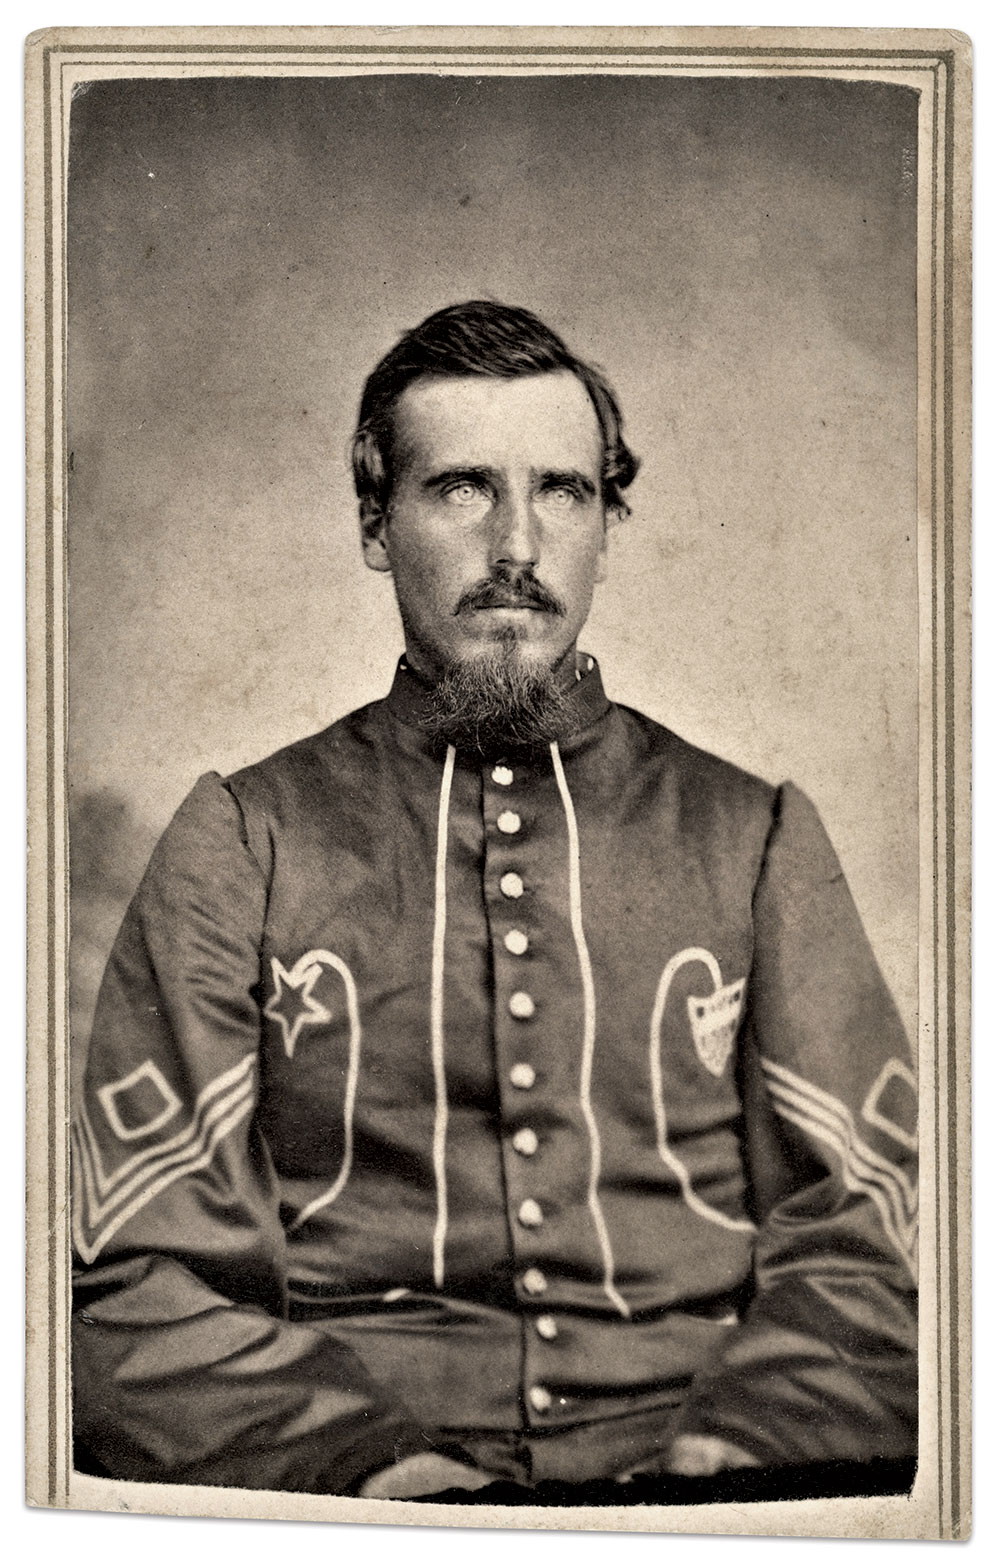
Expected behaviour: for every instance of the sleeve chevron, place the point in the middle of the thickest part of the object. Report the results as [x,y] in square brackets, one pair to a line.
[104,1201]
[829,1120]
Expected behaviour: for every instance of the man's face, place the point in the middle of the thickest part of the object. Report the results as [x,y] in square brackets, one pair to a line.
[495,531]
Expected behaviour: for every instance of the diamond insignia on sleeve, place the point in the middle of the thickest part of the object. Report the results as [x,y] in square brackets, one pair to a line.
[893,1096]
[140,1103]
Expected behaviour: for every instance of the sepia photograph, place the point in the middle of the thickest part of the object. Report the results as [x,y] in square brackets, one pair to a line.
[498,649]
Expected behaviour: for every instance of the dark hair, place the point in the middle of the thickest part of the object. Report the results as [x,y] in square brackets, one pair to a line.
[478,338]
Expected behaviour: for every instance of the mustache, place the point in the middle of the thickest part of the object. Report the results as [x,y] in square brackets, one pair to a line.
[505,588]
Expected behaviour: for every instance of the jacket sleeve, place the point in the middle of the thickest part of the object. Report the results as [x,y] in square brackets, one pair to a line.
[823,1364]
[185,1368]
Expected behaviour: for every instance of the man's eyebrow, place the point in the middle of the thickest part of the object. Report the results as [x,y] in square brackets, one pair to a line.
[548,478]
[457,475]
[568,478]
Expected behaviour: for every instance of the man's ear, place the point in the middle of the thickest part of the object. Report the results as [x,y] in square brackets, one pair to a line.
[373,525]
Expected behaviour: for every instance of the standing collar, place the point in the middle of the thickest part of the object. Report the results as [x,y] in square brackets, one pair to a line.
[409,697]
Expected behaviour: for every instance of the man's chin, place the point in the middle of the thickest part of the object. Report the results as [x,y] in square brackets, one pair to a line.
[520,642]
[525,631]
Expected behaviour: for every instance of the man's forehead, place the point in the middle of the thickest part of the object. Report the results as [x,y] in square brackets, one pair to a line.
[546,419]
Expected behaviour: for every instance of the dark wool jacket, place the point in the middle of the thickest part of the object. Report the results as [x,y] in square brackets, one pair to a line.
[429,1094]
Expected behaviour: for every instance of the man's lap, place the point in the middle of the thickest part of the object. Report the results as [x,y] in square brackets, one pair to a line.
[601,1448]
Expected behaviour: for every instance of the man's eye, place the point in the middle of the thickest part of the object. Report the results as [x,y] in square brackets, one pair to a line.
[560,497]
[463,493]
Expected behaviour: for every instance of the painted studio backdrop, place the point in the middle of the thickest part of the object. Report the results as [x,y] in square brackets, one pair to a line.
[737,253]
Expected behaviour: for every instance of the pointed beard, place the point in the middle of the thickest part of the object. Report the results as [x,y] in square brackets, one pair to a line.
[495,701]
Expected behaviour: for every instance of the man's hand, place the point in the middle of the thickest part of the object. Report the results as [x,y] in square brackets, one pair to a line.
[694,1456]
[702,1456]
[425,1473]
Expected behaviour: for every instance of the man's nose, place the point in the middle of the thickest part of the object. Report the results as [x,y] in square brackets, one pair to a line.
[514,538]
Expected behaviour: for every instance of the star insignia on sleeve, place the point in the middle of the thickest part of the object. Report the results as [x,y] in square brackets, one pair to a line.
[292,1004]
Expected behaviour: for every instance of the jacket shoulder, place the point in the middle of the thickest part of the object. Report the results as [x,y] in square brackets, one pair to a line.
[331,748]
[700,774]
[284,789]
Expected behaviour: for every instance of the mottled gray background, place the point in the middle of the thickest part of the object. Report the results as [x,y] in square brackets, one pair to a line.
[738,254]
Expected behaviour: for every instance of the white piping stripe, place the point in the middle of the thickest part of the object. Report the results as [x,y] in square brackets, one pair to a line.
[905,1240]
[208,1116]
[219,1131]
[589,1034]
[814,1100]
[673,1162]
[437,1019]
[830,1131]
[152,1154]
[328,959]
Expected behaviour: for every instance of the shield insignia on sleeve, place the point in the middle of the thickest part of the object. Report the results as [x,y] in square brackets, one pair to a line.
[715,1019]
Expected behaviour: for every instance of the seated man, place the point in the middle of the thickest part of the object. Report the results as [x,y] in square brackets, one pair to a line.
[492,1085]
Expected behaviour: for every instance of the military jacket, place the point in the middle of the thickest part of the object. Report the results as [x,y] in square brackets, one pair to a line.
[431,1093]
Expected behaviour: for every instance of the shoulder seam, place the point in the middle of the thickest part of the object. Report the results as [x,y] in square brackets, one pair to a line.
[244,833]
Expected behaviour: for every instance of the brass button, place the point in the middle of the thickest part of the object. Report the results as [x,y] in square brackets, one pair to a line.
[525,1141]
[521,1005]
[511,885]
[509,822]
[546,1327]
[529,1214]
[516,942]
[534,1281]
[503,776]
[540,1398]
[522,1075]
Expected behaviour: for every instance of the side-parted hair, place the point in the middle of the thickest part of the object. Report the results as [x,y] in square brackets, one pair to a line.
[478,337]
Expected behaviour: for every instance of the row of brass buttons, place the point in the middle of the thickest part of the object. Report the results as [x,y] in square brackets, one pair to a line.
[522,1075]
